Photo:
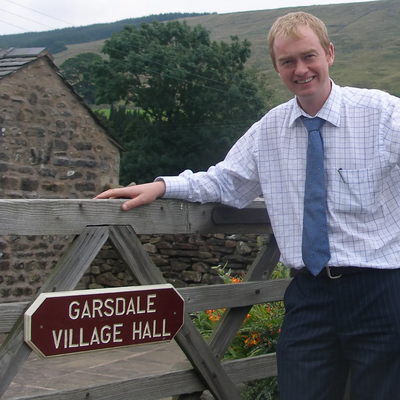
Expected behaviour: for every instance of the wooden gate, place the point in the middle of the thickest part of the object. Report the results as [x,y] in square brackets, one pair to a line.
[97,221]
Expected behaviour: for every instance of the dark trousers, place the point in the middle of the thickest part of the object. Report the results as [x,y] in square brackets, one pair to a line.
[332,326]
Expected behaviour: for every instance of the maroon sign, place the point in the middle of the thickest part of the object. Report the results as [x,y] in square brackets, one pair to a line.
[84,320]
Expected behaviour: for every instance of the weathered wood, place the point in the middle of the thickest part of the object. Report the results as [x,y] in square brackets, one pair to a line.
[200,219]
[77,259]
[127,244]
[9,313]
[166,384]
[13,353]
[131,252]
[199,298]
[230,215]
[60,217]
[229,296]
[70,217]
[65,276]
[205,363]
[232,319]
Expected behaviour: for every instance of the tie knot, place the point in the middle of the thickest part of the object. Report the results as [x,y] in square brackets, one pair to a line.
[313,124]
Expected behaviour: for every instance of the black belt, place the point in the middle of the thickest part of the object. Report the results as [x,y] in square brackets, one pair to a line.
[331,272]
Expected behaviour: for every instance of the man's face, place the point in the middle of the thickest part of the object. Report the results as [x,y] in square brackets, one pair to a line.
[303,66]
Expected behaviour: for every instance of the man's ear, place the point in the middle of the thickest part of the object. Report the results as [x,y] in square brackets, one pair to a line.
[331,55]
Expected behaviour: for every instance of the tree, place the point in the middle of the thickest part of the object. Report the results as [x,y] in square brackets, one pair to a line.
[57,47]
[79,74]
[195,95]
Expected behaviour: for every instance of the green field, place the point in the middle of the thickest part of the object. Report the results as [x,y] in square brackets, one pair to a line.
[104,111]
[365,35]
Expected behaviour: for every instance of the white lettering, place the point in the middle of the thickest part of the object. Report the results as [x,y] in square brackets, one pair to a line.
[163,329]
[97,306]
[150,303]
[81,342]
[99,336]
[109,313]
[137,331]
[155,329]
[138,310]
[86,310]
[105,336]
[74,313]
[57,339]
[71,337]
[147,331]
[95,337]
[118,310]
[131,307]
[116,333]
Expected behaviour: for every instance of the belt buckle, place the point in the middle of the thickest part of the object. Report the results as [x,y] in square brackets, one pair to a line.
[328,272]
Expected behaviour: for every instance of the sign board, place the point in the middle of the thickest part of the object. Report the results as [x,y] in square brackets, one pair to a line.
[84,320]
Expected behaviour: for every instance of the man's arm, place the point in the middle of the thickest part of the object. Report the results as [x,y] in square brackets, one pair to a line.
[139,194]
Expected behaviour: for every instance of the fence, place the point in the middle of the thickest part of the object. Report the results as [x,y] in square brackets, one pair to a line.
[96,221]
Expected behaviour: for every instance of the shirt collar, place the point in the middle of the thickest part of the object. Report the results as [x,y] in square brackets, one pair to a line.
[330,111]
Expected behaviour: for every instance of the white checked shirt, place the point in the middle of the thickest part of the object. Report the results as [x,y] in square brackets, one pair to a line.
[361,139]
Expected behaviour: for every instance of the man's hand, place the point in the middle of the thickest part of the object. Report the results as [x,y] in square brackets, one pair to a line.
[139,194]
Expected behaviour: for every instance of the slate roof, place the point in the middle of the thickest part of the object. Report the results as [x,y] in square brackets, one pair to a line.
[11,60]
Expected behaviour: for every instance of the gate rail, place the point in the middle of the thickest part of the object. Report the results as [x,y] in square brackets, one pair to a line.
[95,222]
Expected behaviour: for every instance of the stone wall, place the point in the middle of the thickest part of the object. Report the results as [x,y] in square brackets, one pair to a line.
[51,147]
[184,260]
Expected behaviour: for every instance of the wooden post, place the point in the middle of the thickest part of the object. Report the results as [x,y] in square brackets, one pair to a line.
[65,276]
[232,319]
[209,368]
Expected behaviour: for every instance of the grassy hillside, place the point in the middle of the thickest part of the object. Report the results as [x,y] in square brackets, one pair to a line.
[75,49]
[56,40]
[365,35]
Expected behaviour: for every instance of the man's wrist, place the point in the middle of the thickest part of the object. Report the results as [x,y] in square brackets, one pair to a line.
[161,187]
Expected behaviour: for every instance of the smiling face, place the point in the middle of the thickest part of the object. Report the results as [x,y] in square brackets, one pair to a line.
[303,65]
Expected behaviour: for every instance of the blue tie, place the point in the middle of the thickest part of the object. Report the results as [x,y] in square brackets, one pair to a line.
[315,246]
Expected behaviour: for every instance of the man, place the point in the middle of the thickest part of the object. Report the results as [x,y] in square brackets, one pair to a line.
[348,315]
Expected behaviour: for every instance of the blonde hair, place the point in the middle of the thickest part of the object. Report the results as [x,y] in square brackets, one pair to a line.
[289,26]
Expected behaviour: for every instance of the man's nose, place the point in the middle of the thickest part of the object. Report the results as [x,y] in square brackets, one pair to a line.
[301,68]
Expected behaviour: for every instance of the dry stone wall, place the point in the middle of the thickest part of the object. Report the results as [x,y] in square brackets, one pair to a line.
[184,260]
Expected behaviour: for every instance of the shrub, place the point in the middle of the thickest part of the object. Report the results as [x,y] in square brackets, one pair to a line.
[258,334]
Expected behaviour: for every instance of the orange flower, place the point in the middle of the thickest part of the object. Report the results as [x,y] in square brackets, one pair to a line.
[253,339]
[235,280]
[214,315]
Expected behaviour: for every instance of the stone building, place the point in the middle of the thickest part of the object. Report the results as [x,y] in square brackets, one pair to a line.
[51,146]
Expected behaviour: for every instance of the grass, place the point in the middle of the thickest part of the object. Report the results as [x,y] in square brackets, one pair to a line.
[365,35]
[104,111]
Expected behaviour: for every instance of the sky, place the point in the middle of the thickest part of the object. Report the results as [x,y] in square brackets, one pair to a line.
[20,16]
